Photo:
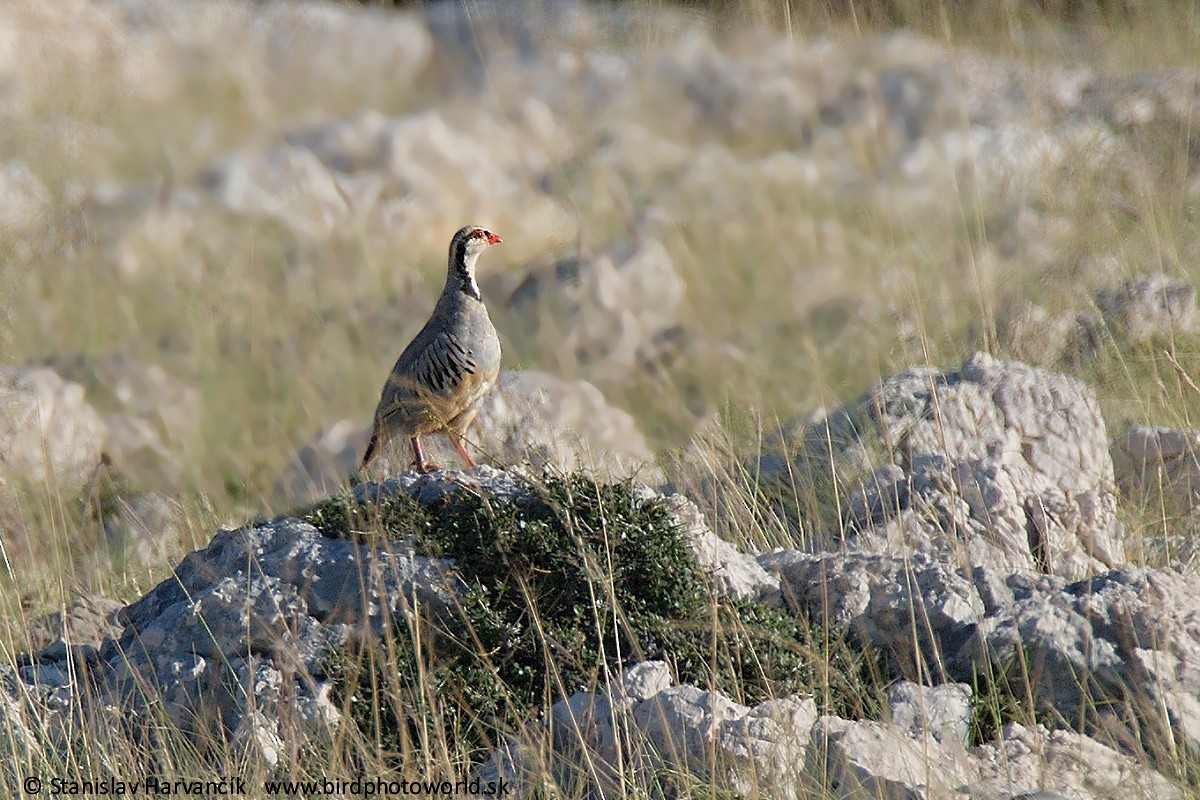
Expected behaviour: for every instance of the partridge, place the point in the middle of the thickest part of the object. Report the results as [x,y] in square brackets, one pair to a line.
[442,377]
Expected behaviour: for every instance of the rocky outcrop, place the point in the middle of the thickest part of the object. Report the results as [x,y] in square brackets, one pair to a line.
[1149,305]
[1116,651]
[967,522]
[149,412]
[377,170]
[239,632]
[89,620]
[50,437]
[534,418]
[943,711]
[244,627]
[695,125]
[1039,764]
[612,312]
[646,724]
[1159,467]
[995,463]
[645,719]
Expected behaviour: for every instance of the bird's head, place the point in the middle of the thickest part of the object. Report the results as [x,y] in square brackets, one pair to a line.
[465,248]
[475,240]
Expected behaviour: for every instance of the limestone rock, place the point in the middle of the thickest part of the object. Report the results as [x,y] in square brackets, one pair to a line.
[226,620]
[781,749]
[642,681]
[240,631]
[943,712]
[890,602]
[150,414]
[610,311]
[732,572]
[242,627]
[1035,335]
[533,417]
[89,620]
[389,174]
[23,197]
[997,463]
[1149,305]
[50,436]
[1154,465]
[286,183]
[869,759]
[1129,631]
[1126,630]
[1041,764]
[754,751]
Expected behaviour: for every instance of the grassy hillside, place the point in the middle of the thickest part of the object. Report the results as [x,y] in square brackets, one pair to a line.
[815,260]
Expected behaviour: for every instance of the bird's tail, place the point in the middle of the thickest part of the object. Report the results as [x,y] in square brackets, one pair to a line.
[369,456]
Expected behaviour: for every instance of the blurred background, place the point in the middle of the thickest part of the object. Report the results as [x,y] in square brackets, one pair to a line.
[221,221]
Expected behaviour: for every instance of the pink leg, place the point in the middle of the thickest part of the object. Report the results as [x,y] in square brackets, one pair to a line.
[418,458]
[461,447]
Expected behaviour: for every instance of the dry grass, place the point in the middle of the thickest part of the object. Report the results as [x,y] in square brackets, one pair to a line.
[805,298]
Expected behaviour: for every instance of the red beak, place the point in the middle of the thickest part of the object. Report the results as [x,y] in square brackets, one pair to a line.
[493,238]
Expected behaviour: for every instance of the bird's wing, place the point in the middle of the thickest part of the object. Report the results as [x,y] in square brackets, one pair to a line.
[431,375]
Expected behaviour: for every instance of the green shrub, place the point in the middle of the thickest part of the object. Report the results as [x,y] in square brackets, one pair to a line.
[569,581]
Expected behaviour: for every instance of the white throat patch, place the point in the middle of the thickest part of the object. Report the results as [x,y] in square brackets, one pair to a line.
[471,287]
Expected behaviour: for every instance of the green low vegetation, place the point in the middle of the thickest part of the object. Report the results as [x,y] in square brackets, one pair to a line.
[564,587]
[798,296]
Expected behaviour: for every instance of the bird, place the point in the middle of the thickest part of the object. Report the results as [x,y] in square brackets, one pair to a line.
[443,375]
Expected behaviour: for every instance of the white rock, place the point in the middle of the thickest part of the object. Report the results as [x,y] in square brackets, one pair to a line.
[1150,305]
[642,681]
[943,712]
[869,759]
[537,418]
[731,572]
[998,463]
[49,436]
[758,750]
[24,199]
[286,183]
[608,310]
[764,750]
[149,413]
[1154,465]
[1034,760]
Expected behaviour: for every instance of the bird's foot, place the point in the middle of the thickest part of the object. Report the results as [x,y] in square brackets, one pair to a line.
[425,467]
